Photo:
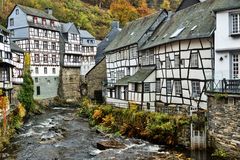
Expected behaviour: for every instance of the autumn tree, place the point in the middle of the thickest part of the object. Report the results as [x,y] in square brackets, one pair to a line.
[4,103]
[143,9]
[25,95]
[123,11]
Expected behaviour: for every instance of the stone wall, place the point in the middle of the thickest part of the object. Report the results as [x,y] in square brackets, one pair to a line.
[69,83]
[95,79]
[224,123]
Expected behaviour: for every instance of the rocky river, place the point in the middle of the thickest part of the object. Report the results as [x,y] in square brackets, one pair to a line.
[59,134]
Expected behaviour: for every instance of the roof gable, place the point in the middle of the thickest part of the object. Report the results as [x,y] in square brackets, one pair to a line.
[35,12]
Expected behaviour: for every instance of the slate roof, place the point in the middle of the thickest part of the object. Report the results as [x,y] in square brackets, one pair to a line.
[226,5]
[138,77]
[198,21]
[36,12]
[105,42]
[66,26]
[15,47]
[4,29]
[132,32]
[186,3]
[85,34]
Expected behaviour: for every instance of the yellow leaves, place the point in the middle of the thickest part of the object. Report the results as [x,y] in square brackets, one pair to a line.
[4,102]
[27,59]
[166,5]
[108,120]
[97,114]
[21,110]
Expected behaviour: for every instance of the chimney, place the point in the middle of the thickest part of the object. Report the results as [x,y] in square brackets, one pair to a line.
[49,11]
[115,24]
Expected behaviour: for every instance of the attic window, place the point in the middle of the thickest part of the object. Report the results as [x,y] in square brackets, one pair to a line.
[17,11]
[194,27]
[164,36]
[177,32]
[132,33]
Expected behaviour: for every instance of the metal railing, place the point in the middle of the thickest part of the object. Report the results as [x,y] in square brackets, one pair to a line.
[224,86]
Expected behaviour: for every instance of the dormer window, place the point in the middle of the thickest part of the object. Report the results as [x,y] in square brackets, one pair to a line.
[17,11]
[52,23]
[35,20]
[235,23]
[44,21]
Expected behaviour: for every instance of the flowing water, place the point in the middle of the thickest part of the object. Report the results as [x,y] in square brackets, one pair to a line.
[60,134]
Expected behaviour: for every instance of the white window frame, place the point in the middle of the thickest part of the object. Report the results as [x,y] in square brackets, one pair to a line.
[147,87]
[168,86]
[196,88]
[235,66]
[176,61]
[235,23]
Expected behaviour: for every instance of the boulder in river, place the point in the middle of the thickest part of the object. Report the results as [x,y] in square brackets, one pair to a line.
[110,144]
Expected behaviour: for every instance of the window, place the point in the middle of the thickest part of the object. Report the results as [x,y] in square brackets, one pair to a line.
[36,32]
[44,21]
[194,60]
[54,70]
[69,47]
[75,59]
[178,87]
[36,44]
[53,58]
[45,45]
[35,20]
[74,37]
[176,61]
[133,87]
[158,63]
[17,11]
[158,86]
[45,70]
[235,63]
[76,47]
[38,90]
[196,89]
[68,58]
[168,86]
[235,23]
[52,23]
[36,80]
[45,33]
[146,87]
[36,70]
[11,22]
[168,62]
[45,58]
[53,45]
[36,58]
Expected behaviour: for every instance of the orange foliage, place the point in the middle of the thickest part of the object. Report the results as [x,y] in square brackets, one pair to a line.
[123,11]
[143,9]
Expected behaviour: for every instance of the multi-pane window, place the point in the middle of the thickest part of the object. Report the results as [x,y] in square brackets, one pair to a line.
[11,22]
[45,45]
[168,86]
[45,58]
[69,47]
[235,18]
[36,58]
[176,61]
[68,58]
[53,58]
[76,47]
[158,86]
[196,90]
[36,32]
[178,87]
[146,87]
[4,74]
[194,60]
[45,33]
[158,63]
[36,44]
[45,70]
[168,62]
[53,45]
[235,66]
[36,70]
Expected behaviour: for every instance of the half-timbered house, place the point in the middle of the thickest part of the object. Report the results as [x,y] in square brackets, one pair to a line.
[37,32]
[122,56]
[182,50]
[6,63]
[70,46]
[89,50]
[18,60]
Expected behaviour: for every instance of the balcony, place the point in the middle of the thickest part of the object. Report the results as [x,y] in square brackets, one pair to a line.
[17,80]
[224,86]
